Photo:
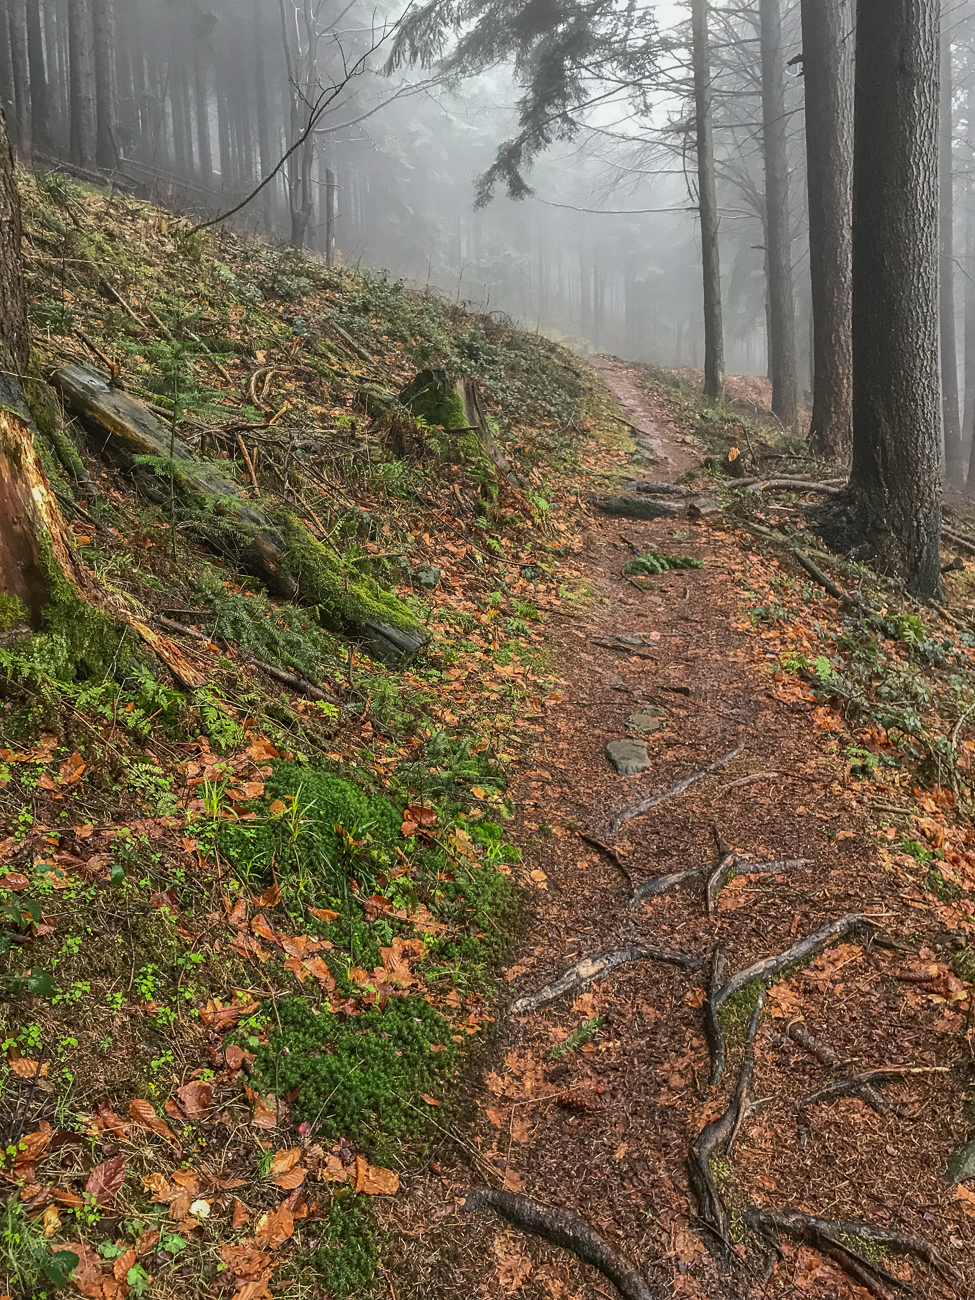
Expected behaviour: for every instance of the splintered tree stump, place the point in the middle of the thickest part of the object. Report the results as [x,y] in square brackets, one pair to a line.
[567,1229]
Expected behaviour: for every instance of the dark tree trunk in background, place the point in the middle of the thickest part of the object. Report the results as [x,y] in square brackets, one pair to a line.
[81,106]
[6,69]
[827,47]
[20,58]
[969,426]
[204,151]
[954,466]
[896,481]
[106,85]
[40,104]
[782,308]
[708,206]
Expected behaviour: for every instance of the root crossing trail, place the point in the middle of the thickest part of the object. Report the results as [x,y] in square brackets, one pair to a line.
[603,1130]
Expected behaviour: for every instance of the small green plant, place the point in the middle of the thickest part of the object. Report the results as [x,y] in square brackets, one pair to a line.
[28,1266]
[587,1030]
[655,562]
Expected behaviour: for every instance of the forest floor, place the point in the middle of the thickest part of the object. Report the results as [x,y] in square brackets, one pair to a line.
[593,1101]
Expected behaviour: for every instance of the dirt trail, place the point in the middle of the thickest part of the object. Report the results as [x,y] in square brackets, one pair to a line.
[605,1129]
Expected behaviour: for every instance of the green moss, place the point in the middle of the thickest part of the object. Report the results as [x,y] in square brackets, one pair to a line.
[431,398]
[345,1259]
[736,1013]
[344,598]
[12,612]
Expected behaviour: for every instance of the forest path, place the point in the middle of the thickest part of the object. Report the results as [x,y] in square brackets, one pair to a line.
[605,1128]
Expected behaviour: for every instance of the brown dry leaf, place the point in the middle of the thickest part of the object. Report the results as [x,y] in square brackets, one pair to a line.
[324,914]
[513,1182]
[292,1179]
[241,1214]
[234,1057]
[148,1240]
[271,896]
[143,1113]
[373,1180]
[430,1101]
[335,1171]
[71,770]
[51,1221]
[105,1180]
[122,1265]
[265,1112]
[521,1130]
[275,1227]
[688,1245]
[24,1068]
[196,1098]
[32,1146]
[513,1270]
[967,1198]
[282,1161]
[87,1276]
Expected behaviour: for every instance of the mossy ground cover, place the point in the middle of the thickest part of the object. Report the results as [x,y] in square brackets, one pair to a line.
[248,936]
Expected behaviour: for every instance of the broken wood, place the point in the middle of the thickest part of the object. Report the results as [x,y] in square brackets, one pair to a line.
[814,571]
[766,970]
[595,967]
[565,1228]
[831,1237]
[788,485]
[685,783]
[717,1138]
[798,1032]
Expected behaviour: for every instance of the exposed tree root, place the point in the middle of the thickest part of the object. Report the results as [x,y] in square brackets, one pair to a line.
[564,1228]
[798,1032]
[717,1138]
[865,1085]
[595,967]
[734,864]
[685,783]
[814,571]
[713,1029]
[662,884]
[826,1236]
[788,485]
[647,486]
[769,967]
[608,851]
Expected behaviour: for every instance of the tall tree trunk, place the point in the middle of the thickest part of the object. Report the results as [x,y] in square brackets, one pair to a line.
[19,53]
[782,308]
[896,480]
[81,108]
[6,70]
[106,83]
[708,206]
[954,466]
[969,426]
[40,103]
[828,67]
[204,150]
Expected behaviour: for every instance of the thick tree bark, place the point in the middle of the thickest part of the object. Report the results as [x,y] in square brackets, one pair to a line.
[828,67]
[896,481]
[954,465]
[106,85]
[20,59]
[40,103]
[82,108]
[708,206]
[782,307]
[970,319]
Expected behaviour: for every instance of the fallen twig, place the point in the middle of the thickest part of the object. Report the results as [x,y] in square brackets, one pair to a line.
[816,572]
[789,485]
[769,967]
[865,1085]
[826,1236]
[716,1138]
[748,780]
[596,966]
[608,851]
[685,783]
[798,1032]
[567,1229]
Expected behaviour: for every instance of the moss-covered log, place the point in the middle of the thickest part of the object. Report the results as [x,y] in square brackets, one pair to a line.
[274,542]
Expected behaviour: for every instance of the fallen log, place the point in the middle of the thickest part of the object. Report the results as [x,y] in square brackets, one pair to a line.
[831,1238]
[636,507]
[273,542]
[595,967]
[567,1229]
[685,783]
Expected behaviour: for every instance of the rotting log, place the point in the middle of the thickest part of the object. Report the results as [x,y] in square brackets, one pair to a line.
[567,1229]
[275,544]
[457,407]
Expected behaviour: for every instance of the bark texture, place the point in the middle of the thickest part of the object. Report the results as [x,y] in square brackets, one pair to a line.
[708,206]
[954,466]
[82,105]
[106,90]
[828,67]
[781,296]
[896,481]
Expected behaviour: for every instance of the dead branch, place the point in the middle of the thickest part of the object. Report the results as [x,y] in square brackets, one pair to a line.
[749,780]
[685,783]
[567,1229]
[608,851]
[814,571]
[715,1139]
[661,884]
[798,1032]
[769,967]
[595,967]
[249,463]
[787,485]
[958,539]
[865,1085]
[826,1236]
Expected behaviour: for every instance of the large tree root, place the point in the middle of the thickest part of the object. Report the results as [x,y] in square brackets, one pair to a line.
[713,1029]
[595,967]
[826,1236]
[685,783]
[663,884]
[865,1085]
[765,971]
[717,1138]
[731,865]
[567,1229]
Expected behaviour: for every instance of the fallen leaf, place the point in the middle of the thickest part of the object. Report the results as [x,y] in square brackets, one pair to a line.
[71,770]
[967,1198]
[373,1180]
[24,1068]
[431,1101]
[51,1221]
[143,1113]
[513,1270]
[275,1227]
[105,1180]
[324,914]
[292,1179]
[241,1214]
[196,1098]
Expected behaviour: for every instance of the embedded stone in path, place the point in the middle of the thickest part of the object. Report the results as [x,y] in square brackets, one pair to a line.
[644,724]
[629,757]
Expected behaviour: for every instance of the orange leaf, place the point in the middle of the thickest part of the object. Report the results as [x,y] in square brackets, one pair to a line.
[24,1068]
[373,1180]
[241,1214]
[71,770]
[292,1179]
[196,1098]
[275,1228]
[143,1113]
[324,914]
[105,1180]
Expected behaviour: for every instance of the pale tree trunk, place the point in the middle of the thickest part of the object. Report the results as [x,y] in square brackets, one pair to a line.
[954,465]
[969,427]
[40,103]
[896,481]
[81,108]
[782,308]
[708,206]
[106,85]
[827,47]
[17,11]
[204,149]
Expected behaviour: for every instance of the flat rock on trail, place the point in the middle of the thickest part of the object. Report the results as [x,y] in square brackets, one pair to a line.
[604,1129]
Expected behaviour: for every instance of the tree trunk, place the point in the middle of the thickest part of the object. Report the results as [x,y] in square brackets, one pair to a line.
[708,206]
[106,85]
[20,59]
[40,106]
[954,466]
[82,109]
[204,150]
[828,68]
[896,481]
[782,308]
[970,320]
